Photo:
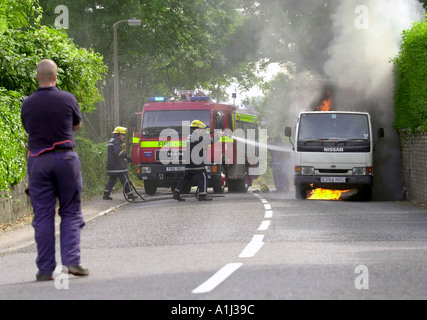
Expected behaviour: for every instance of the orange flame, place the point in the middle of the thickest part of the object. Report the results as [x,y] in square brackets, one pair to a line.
[325,194]
[326,104]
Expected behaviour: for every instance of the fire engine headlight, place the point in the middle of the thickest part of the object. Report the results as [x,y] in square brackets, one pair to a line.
[359,171]
[304,171]
[145,170]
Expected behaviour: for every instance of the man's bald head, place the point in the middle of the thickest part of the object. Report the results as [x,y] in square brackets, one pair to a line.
[46,72]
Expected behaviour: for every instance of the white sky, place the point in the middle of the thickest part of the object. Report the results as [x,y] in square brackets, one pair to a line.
[272,70]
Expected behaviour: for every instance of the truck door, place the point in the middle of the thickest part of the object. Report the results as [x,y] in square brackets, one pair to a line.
[136,137]
[217,147]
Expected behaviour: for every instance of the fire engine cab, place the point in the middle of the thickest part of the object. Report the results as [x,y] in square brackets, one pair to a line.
[160,132]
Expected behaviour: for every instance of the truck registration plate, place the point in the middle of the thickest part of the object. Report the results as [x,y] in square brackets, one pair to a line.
[175,169]
[332,179]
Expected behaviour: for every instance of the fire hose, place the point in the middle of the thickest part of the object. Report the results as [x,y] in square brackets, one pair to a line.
[132,190]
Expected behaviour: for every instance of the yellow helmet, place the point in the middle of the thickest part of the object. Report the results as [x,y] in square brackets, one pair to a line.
[198,124]
[120,130]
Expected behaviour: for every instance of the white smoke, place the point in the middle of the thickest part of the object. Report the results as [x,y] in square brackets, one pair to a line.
[367,37]
[354,64]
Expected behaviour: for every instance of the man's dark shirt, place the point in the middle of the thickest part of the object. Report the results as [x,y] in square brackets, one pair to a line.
[49,115]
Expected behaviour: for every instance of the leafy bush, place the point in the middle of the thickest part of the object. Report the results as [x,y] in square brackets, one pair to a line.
[12,140]
[411,70]
[93,158]
[80,71]
[23,43]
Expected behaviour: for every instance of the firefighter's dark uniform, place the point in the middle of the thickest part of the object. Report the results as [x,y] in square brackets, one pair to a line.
[195,169]
[116,167]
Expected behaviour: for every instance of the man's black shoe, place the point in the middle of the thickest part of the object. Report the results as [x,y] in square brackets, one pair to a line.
[43,277]
[79,270]
[205,198]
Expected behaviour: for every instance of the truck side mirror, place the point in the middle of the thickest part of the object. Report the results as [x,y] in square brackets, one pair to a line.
[288,133]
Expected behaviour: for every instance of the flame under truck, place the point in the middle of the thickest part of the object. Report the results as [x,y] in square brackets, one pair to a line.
[150,148]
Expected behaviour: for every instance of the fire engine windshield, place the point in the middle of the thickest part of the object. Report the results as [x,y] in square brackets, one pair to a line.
[156,121]
[333,126]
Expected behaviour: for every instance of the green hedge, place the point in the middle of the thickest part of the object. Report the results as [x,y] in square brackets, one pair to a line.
[93,158]
[12,141]
[411,89]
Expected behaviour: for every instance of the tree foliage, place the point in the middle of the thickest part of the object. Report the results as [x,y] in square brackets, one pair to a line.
[23,43]
[12,140]
[180,45]
[411,70]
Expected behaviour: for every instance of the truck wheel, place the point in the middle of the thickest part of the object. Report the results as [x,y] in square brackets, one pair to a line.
[365,194]
[218,187]
[300,193]
[150,188]
[218,182]
[238,185]
[232,186]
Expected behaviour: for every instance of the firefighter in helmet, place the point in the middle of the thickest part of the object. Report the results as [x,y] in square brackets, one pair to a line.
[195,168]
[116,165]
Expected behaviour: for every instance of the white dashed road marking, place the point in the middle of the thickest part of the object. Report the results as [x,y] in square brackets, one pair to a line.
[248,252]
[217,278]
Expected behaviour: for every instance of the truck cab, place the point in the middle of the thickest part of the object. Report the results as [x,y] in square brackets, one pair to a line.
[333,150]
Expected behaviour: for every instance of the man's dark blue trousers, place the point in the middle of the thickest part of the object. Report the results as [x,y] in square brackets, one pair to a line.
[56,175]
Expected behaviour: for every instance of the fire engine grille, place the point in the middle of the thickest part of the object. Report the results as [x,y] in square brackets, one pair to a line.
[174,154]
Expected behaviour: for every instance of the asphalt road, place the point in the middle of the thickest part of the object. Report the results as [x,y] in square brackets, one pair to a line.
[238,247]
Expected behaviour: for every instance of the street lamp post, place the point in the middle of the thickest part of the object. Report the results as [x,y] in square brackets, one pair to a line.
[131,23]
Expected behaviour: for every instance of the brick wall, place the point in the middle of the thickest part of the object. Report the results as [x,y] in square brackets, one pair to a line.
[414,162]
[16,207]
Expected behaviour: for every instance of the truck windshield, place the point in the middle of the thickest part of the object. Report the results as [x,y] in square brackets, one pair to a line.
[156,121]
[333,127]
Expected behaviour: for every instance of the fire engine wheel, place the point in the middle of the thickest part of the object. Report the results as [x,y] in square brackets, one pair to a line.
[150,188]
[218,189]
[238,185]
[217,186]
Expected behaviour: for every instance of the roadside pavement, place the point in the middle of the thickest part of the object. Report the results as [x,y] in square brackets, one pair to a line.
[22,236]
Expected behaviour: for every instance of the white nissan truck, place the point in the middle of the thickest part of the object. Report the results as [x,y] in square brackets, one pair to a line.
[333,150]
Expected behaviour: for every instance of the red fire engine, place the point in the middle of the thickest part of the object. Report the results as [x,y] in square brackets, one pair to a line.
[160,132]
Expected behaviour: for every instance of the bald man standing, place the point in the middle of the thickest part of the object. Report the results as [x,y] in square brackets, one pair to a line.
[50,117]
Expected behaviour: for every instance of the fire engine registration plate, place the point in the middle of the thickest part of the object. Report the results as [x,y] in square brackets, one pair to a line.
[175,169]
[332,179]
